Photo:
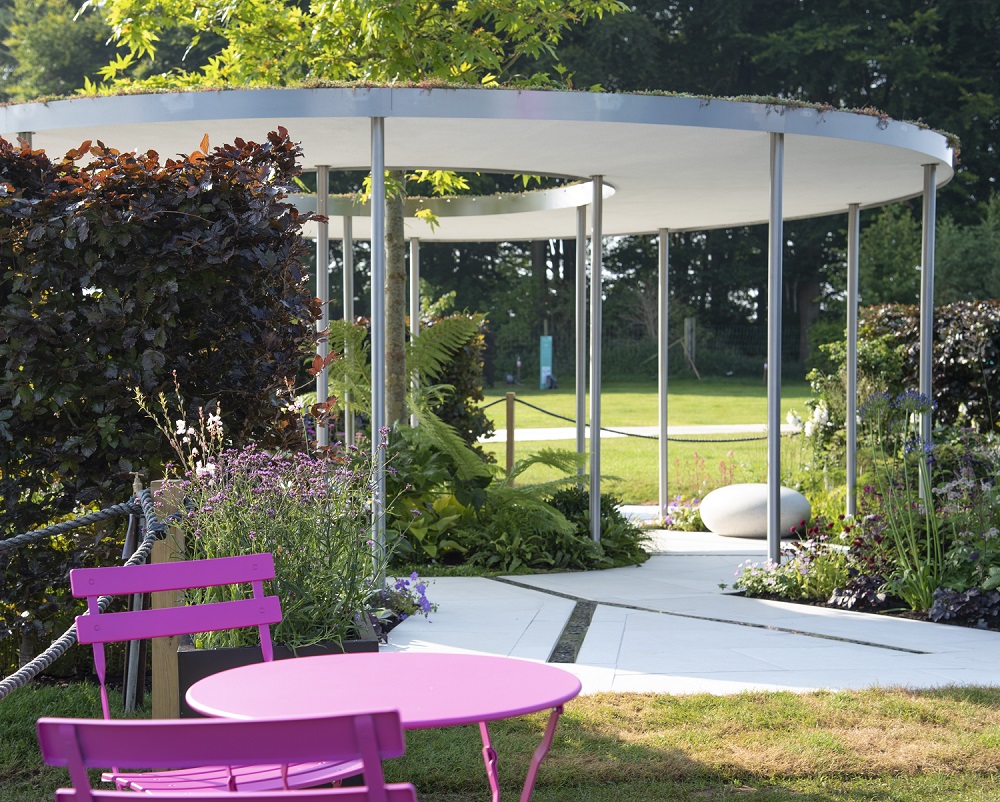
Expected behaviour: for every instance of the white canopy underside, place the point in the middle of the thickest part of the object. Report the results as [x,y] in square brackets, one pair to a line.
[672,162]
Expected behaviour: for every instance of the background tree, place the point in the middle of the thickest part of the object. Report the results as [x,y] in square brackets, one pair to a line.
[47,48]
[50,54]
[7,60]
[968,257]
[278,42]
[932,60]
[889,257]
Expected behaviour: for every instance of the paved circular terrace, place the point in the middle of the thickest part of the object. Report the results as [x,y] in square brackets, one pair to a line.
[678,163]
[668,627]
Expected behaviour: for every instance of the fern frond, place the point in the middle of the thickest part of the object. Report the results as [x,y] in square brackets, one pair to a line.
[528,505]
[430,351]
[444,437]
[569,462]
[350,375]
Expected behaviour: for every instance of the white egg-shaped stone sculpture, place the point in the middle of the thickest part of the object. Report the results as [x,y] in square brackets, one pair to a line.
[741,510]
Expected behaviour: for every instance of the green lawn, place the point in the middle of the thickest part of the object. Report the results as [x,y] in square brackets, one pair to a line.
[689,402]
[880,745]
[696,464]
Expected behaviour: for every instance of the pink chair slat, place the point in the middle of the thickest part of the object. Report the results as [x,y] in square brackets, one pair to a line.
[263,777]
[99,628]
[397,792]
[119,580]
[169,621]
[368,738]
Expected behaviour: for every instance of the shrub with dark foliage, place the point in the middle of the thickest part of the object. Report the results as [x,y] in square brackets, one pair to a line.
[966,362]
[116,272]
[970,608]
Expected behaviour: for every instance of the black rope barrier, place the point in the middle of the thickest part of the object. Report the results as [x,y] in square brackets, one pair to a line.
[128,508]
[755,439]
[154,530]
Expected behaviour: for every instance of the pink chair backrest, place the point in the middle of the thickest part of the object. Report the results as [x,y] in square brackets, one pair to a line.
[100,628]
[79,744]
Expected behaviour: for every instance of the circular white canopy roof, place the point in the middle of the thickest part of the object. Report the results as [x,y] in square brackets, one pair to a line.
[668,162]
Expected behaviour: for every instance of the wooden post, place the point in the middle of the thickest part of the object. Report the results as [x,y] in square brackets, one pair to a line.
[165,701]
[510,432]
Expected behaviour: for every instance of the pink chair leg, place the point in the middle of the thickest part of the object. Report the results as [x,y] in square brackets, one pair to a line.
[490,759]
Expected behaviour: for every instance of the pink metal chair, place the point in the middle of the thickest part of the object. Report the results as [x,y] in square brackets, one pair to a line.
[368,738]
[99,628]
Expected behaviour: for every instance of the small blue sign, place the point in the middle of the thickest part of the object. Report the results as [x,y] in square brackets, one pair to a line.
[546,380]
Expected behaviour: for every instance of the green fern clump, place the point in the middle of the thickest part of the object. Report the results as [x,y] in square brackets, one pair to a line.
[449,505]
[621,541]
[451,509]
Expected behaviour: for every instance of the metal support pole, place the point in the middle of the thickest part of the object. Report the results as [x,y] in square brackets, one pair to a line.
[323,293]
[25,137]
[927,309]
[661,366]
[347,245]
[509,464]
[774,286]
[581,331]
[596,270]
[414,304]
[378,325]
[853,241]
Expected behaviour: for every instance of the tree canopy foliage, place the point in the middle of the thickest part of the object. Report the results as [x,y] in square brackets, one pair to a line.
[281,41]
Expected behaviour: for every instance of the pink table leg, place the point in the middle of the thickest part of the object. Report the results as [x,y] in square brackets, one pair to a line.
[490,757]
[541,752]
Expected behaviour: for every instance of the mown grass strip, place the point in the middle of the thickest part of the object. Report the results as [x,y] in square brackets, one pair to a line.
[879,745]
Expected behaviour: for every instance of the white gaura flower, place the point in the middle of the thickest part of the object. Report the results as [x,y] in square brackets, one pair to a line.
[203,470]
[181,426]
[821,415]
[794,421]
[810,428]
[214,423]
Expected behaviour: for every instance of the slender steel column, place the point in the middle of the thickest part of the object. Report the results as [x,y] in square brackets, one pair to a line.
[348,255]
[661,369]
[774,282]
[414,303]
[378,323]
[25,136]
[853,240]
[323,293]
[581,332]
[927,295]
[596,270]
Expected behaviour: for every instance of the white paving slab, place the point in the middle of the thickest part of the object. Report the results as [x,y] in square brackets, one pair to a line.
[667,627]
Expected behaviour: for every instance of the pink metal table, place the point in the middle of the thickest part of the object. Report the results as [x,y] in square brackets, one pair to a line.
[428,690]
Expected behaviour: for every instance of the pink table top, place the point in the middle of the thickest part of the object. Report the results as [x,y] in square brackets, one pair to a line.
[428,689]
